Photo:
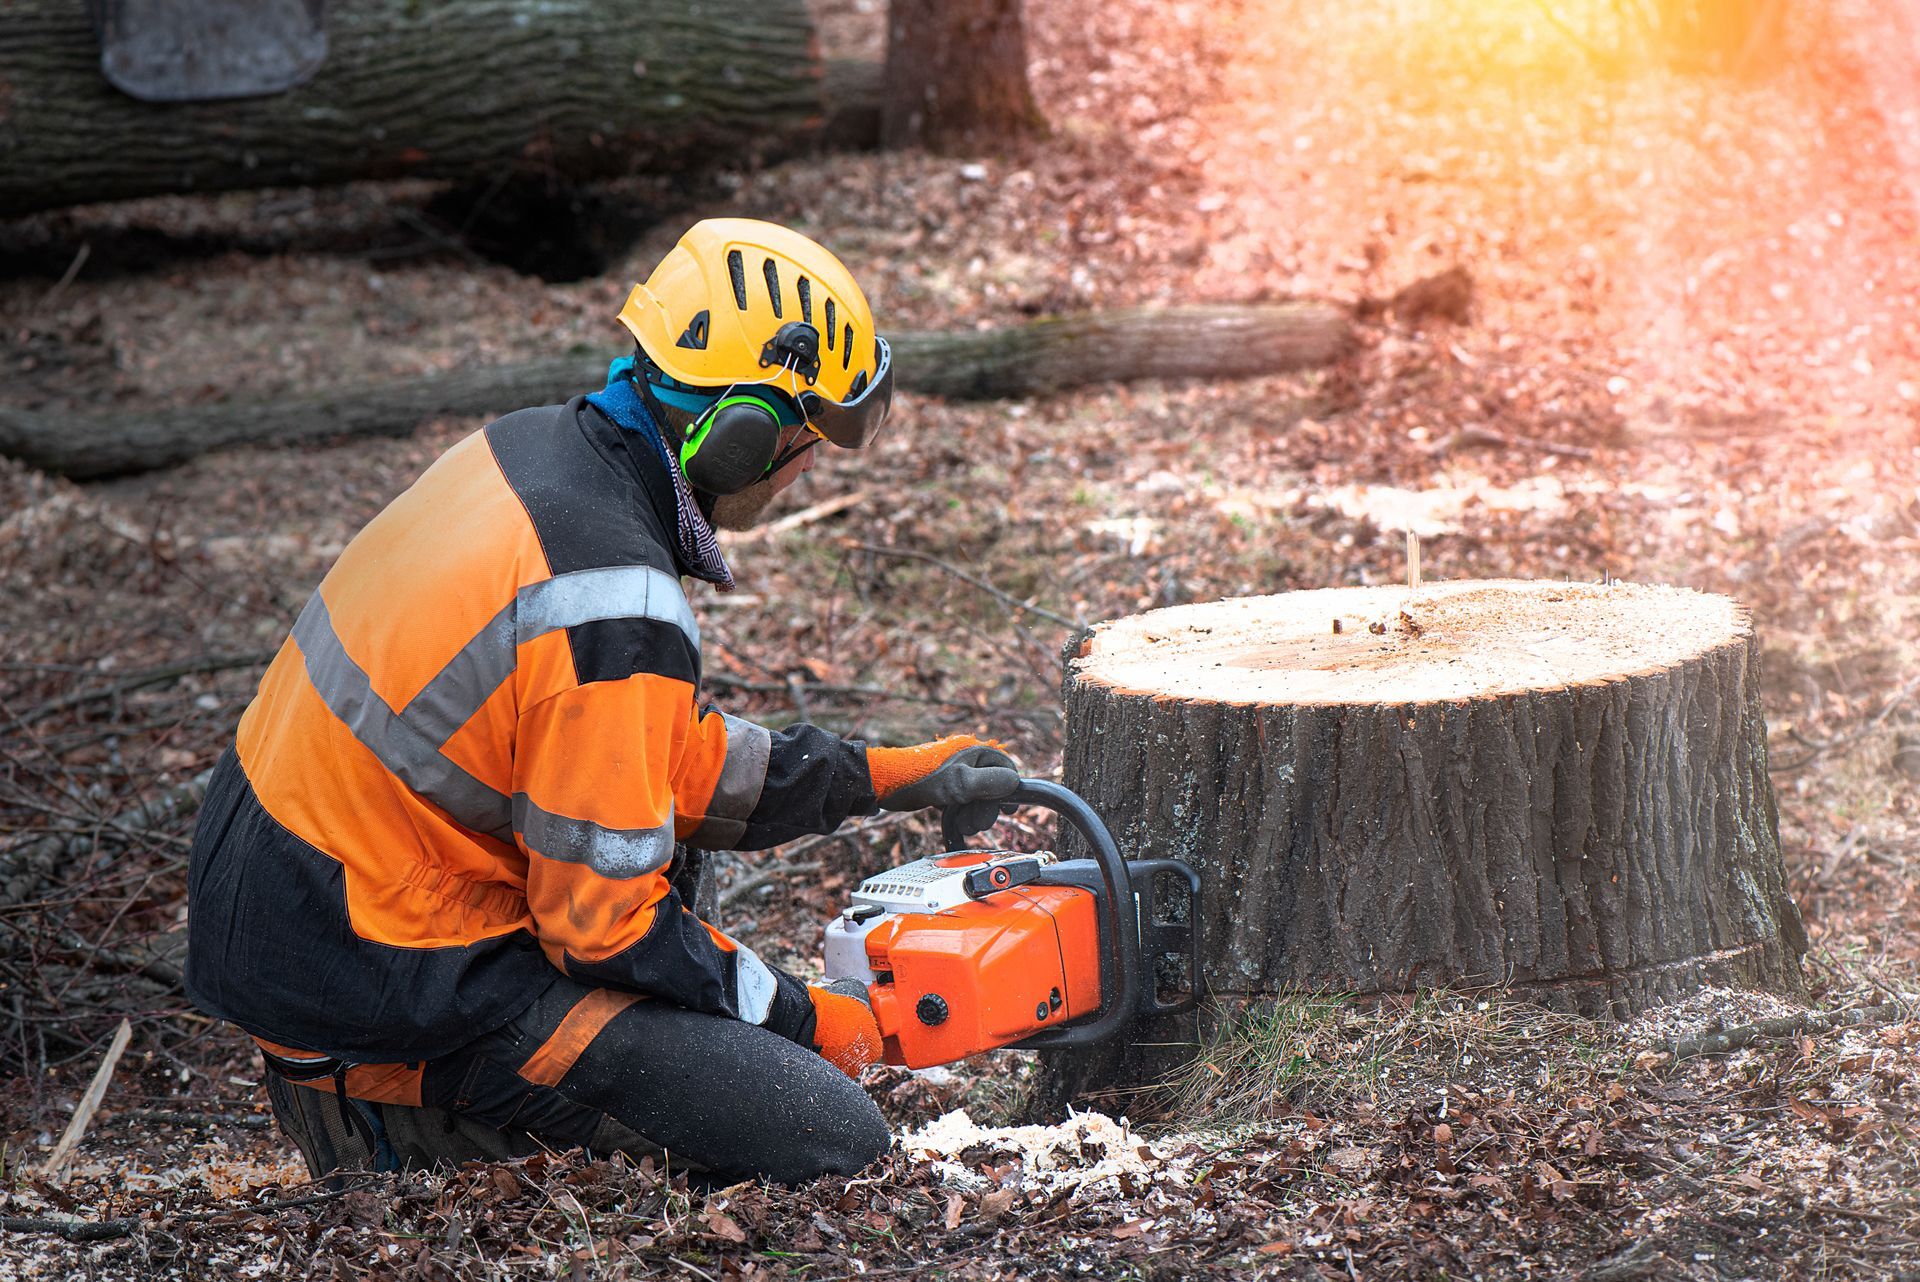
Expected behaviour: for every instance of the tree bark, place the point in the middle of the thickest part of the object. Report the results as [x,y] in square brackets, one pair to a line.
[451,88]
[1558,789]
[956,76]
[1022,360]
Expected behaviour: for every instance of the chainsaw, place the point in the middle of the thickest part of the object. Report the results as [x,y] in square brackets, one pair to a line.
[978,949]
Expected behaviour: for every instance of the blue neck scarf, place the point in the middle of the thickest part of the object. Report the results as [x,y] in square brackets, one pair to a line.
[699,550]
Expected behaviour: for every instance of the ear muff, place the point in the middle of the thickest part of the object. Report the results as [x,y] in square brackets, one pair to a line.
[731,445]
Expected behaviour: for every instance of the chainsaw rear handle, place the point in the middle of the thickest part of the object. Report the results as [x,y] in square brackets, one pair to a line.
[1119,927]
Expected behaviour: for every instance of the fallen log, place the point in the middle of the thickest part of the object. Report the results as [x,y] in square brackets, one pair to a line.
[467,89]
[1023,360]
[1555,788]
[1058,353]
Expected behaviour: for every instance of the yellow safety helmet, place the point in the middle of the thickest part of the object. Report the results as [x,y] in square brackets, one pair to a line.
[739,301]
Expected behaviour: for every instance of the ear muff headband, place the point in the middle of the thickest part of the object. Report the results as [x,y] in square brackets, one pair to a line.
[731,445]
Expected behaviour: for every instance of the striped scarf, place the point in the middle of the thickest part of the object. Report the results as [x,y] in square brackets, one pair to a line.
[700,554]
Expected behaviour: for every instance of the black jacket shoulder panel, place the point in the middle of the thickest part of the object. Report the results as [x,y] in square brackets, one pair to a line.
[591,507]
[582,493]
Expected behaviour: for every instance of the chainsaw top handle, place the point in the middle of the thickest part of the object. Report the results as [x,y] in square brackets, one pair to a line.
[1118,917]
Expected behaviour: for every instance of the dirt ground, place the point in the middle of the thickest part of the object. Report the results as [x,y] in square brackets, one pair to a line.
[1692,357]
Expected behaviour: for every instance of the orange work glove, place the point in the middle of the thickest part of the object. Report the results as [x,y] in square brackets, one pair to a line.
[958,772]
[844,1029]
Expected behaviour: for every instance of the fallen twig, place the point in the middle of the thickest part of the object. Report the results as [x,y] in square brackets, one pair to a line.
[818,689]
[805,516]
[66,278]
[291,1203]
[694,1269]
[1468,437]
[1765,1030]
[761,877]
[1819,750]
[141,680]
[187,1117]
[71,1230]
[1004,597]
[107,1230]
[158,969]
[89,1103]
[791,862]
[27,864]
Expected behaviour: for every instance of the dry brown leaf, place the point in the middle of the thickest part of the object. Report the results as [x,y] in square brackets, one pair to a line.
[996,1204]
[722,1225]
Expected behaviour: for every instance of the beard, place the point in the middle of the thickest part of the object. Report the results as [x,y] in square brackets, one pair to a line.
[742,511]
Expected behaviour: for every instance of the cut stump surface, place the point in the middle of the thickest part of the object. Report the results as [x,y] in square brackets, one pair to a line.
[1559,788]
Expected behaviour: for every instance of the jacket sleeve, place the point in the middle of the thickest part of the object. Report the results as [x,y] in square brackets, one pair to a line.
[744,787]
[594,810]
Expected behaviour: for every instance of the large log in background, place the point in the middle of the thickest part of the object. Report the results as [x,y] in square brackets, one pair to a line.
[1555,788]
[441,88]
[1021,360]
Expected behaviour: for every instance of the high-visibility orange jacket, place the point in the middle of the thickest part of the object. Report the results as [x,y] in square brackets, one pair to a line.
[470,762]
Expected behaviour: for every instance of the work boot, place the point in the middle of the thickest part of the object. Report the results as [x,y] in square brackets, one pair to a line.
[338,1136]
[424,1138]
[341,1135]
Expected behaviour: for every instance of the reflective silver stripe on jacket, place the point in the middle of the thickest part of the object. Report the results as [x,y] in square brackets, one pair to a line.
[753,984]
[412,757]
[617,592]
[483,665]
[611,852]
[409,743]
[743,775]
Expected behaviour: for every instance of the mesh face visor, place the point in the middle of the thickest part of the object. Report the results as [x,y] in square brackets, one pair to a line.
[854,422]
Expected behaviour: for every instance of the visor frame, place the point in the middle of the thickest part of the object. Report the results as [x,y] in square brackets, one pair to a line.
[853,424]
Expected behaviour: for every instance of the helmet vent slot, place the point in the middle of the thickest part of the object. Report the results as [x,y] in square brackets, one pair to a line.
[737,269]
[846,352]
[805,290]
[772,274]
[829,324]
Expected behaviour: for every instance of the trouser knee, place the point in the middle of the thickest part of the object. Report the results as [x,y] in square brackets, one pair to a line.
[842,1140]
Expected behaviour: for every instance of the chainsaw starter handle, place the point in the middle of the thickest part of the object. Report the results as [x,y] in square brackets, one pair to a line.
[1119,922]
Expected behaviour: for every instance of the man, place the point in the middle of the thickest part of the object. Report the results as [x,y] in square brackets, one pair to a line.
[433,878]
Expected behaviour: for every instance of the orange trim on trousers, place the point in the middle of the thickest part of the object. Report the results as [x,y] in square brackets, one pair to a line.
[592,1013]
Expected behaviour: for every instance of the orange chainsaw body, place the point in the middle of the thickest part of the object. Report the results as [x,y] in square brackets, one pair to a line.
[983,974]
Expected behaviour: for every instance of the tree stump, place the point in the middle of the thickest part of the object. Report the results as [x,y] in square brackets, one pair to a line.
[1560,789]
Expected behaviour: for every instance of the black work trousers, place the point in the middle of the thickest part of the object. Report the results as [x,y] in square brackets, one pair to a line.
[605,1070]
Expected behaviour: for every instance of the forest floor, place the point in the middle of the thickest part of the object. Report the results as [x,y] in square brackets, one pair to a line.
[1691,358]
